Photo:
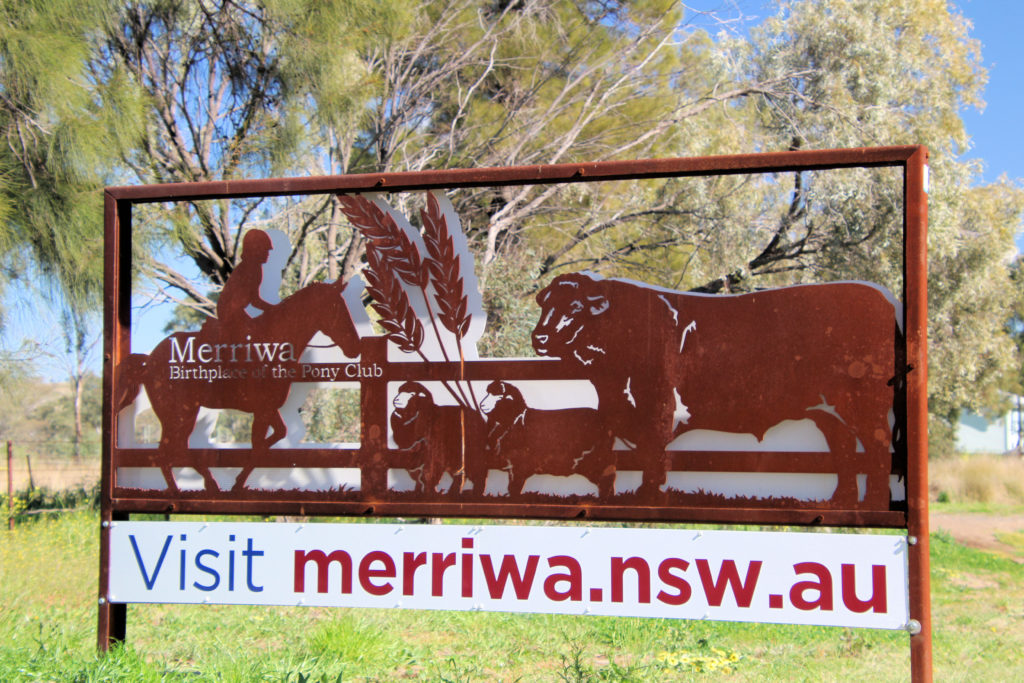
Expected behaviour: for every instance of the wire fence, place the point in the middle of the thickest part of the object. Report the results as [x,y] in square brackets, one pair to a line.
[44,483]
[53,473]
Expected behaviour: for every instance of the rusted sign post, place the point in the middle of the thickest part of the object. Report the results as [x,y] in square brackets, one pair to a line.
[605,423]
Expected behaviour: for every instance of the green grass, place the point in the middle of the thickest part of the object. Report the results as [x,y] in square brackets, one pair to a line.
[48,619]
[977,508]
[1015,540]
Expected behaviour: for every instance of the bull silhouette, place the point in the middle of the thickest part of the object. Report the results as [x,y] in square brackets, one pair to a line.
[664,362]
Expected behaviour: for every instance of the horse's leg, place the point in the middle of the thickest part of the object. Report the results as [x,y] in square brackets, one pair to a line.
[267,429]
[277,427]
[242,476]
[177,421]
[208,481]
[168,475]
[257,441]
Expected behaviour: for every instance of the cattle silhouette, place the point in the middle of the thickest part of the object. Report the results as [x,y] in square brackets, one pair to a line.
[664,362]
[558,442]
[440,435]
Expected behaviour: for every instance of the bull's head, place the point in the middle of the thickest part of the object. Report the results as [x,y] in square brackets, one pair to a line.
[566,305]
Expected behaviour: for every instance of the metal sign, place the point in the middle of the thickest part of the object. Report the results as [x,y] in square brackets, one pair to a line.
[797,405]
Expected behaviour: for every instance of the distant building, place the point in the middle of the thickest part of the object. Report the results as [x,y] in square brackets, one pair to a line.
[979,434]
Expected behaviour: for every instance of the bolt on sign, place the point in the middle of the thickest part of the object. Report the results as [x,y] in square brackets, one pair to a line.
[801,404]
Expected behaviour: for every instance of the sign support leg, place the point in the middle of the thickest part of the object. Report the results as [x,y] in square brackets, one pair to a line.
[920,611]
[915,282]
[112,618]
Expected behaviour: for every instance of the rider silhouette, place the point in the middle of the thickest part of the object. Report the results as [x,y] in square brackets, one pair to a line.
[242,288]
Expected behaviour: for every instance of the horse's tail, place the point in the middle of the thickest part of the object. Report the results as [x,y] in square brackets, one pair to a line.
[131,373]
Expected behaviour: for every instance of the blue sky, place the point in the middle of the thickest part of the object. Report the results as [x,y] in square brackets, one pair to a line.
[995,133]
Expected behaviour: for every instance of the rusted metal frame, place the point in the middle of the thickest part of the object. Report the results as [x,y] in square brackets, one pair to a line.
[915,298]
[357,502]
[352,503]
[811,160]
[788,161]
[112,619]
[318,506]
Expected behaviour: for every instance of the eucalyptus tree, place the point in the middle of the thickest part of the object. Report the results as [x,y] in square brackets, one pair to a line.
[175,90]
[226,94]
[59,137]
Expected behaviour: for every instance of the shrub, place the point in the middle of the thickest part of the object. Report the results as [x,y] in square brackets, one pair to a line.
[42,498]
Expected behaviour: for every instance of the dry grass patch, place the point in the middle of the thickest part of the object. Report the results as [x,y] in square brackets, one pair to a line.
[997,479]
[55,473]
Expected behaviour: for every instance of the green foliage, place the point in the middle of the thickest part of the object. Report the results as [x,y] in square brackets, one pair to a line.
[41,499]
[332,415]
[143,91]
[233,426]
[950,557]
[38,418]
[508,298]
[64,140]
[57,420]
[900,75]
[358,645]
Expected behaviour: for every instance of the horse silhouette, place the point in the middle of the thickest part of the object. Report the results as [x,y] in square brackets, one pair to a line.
[233,368]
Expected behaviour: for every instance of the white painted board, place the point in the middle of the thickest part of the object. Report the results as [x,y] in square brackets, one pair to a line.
[830,579]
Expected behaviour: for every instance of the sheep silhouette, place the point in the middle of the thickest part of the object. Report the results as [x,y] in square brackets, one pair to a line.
[556,442]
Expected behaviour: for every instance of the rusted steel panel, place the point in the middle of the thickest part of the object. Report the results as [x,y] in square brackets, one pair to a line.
[441,451]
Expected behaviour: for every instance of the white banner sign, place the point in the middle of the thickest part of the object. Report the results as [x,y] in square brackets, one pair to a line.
[792,578]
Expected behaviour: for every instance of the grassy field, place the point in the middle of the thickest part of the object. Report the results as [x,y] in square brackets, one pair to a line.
[48,573]
[995,479]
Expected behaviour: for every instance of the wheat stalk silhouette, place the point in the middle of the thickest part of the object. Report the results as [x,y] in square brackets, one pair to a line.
[390,253]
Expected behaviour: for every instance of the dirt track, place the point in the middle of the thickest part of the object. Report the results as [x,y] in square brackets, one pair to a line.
[979,530]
